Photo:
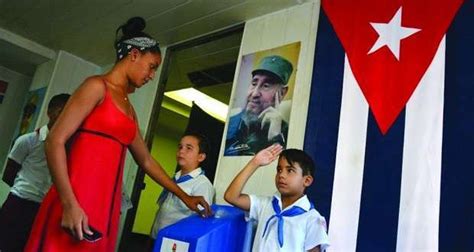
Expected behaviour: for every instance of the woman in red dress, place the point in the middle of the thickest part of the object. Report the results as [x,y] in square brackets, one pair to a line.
[102,125]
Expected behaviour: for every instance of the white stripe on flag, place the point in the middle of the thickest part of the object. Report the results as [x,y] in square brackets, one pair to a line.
[349,165]
[418,219]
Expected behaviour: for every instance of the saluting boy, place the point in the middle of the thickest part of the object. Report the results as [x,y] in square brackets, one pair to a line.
[287,221]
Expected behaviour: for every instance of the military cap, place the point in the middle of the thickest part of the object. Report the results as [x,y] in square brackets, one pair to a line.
[277,65]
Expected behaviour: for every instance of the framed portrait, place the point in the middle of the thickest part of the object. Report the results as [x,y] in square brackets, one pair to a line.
[261,105]
[30,111]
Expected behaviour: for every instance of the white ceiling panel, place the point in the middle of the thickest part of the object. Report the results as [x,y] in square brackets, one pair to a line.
[87,28]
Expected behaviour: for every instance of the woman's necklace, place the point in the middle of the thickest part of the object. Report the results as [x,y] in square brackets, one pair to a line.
[125,96]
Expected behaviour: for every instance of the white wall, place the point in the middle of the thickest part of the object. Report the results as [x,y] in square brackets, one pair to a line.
[43,75]
[10,113]
[68,73]
[298,23]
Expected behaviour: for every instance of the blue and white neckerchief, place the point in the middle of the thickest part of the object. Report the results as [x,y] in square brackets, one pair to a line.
[140,43]
[180,180]
[293,211]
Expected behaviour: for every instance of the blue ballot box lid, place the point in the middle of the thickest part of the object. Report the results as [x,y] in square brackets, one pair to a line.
[224,231]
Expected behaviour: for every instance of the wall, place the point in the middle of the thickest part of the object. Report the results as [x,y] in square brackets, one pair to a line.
[68,73]
[298,23]
[10,113]
[43,75]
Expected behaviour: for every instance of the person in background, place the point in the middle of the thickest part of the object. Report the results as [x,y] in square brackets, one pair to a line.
[192,151]
[28,175]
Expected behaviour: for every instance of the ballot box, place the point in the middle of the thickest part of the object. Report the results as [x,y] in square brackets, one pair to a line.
[224,231]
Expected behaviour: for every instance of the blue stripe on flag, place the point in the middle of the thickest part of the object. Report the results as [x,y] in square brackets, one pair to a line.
[456,227]
[380,198]
[323,113]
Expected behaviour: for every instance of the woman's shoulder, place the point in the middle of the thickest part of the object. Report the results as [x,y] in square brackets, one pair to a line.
[96,81]
[94,84]
[92,90]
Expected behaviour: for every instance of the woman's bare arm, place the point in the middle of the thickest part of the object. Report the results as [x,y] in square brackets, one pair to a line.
[78,107]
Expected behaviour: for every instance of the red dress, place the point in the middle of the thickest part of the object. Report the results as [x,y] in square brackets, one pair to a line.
[95,166]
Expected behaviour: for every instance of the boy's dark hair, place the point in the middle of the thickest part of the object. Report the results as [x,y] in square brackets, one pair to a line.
[58,101]
[298,156]
[204,145]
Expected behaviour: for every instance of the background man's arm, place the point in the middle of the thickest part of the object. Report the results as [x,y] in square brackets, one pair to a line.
[11,171]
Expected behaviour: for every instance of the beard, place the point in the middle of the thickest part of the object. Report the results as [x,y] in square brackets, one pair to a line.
[250,118]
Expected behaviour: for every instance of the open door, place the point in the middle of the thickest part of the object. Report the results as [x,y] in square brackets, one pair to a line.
[212,128]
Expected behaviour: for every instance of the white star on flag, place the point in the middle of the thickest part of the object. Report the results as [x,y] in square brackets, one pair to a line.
[391,33]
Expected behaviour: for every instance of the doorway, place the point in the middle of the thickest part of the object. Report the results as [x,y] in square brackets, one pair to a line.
[203,67]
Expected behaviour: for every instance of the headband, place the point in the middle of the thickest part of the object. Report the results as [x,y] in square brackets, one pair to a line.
[140,43]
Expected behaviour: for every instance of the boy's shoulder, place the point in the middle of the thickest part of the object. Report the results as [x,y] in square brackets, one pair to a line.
[29,137]
[27,140]
[316,220]
[261,198]
[199,178]
[203,181]
[303,202]
[260,202]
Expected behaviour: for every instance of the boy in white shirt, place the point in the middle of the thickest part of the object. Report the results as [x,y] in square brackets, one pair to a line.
[191,153]
[287,221]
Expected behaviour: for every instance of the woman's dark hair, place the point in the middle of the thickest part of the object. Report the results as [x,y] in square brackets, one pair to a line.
[133,28]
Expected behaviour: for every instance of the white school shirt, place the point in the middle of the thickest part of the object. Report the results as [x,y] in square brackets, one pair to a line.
[33,180]
[300,233]
[173,209]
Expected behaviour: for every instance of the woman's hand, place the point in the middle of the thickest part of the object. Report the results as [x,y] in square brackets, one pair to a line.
[198,204]
[75,222]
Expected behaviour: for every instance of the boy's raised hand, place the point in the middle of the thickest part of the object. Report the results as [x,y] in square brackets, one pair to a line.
[267,155]
[234,194]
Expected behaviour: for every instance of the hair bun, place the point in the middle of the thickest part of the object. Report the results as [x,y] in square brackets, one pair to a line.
[133,26]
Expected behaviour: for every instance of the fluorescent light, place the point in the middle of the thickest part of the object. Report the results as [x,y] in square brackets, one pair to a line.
[212,106]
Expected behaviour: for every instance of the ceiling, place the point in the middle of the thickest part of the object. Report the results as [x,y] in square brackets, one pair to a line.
[87,28]
[19,59]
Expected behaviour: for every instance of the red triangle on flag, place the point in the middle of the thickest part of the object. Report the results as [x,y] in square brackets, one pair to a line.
[390,45]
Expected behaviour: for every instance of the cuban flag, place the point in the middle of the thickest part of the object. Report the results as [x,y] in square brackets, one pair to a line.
[391,124]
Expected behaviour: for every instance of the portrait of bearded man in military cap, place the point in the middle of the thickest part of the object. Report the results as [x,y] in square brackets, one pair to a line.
[260,121]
